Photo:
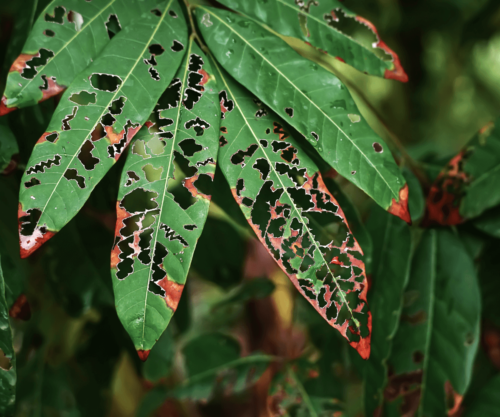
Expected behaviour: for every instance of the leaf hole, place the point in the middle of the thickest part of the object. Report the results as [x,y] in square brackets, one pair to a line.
[113,25]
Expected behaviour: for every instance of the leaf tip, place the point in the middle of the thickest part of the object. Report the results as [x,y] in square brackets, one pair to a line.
[3,107]
[30,241]
[143,354]
[400,208]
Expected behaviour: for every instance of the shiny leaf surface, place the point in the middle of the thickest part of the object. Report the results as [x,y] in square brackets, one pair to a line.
[320,23]
[311,99]
[285,201]
[163,201]
[96,119]
[67,36]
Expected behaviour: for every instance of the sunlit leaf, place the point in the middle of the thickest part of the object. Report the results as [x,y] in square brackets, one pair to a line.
[311,99]
[468,185]
[97,117]
[391,269]
[163,201]
[435,345]
[7,357]
[322,23]
[284,199]
[67,36]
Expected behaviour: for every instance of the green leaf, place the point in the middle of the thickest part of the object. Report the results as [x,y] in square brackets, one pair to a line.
[435,345]
[391,269]
[489,266]
[487,402]
[8,146]
[489,222]
[214,365]
[311,99]
[468,185]
[285,201]
[7,356]
[416,200]
[97,117]
[66,38]
[256,288]
[161,360]
[163,201]
[320,23]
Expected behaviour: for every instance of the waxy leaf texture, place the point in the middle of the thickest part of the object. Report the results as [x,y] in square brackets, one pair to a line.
[285,201]
[163,201]
[316,22]
[437,340]
[311,99]
[468,185]
[66,38]
[95,120]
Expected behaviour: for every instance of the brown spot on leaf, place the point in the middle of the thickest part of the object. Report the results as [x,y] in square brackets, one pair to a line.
[29,244]
[20,63]
[52,89]
[453,399]
[3,107]
[143,354]
[397,73]
[21,309]
[173,292]
[407,387]
[400,208]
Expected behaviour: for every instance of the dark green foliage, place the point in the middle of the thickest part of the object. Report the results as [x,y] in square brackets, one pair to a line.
[327,236]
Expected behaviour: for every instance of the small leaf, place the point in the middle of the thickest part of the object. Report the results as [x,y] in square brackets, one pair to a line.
[391,269]
[321,23]
[7,357]
[311,99]
[468,185]
[214,364]
[96,119]
[285,201]
[66,37]
[437,340]
[163,201]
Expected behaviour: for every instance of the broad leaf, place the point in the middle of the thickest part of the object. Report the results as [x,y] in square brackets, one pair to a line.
[317,22]
[487,402]
[391,269]
[7,357]
[468,185]
[97,117]
[66,38]
[285,201]
[214,364]
[163,201]
[434,348]
[311,99]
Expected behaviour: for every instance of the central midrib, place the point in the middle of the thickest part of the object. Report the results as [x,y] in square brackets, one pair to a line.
[308,99]
[313,239]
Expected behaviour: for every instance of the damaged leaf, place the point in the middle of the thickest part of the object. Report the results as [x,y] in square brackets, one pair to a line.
[282,195]
[66,38]
[312,100]
[392,249]
[163,201]
[84,139]
[320,24]
[438,335]
[7,357]
[468,185]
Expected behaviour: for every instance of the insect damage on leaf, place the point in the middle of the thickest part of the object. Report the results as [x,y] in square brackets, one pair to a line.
[163,201]
[466,186]
[53,54]
[284,199]
[94,122]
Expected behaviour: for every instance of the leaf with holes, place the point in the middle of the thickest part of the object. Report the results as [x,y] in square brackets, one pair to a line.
[438,336]
[97,117]
[66,38]
[285,201]
[311,99]
[163,201]
[321,23]
[468,185]
[7,356]
[392,249]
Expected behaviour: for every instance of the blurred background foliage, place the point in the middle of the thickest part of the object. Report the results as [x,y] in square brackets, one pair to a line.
[243,342]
